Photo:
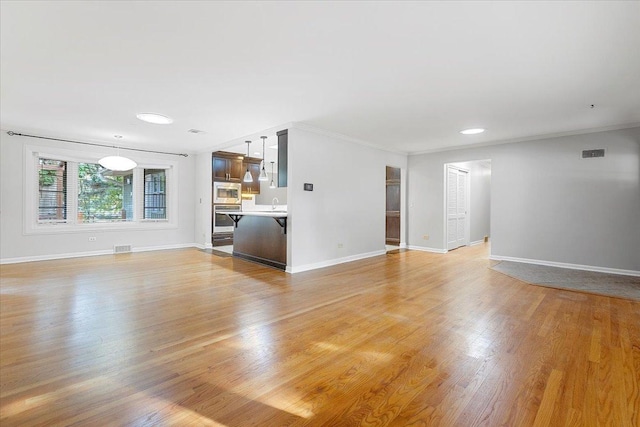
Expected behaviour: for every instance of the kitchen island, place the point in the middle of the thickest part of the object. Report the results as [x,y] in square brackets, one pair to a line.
[261,236]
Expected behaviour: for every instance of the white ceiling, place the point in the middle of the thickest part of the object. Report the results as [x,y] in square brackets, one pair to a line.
[402,76]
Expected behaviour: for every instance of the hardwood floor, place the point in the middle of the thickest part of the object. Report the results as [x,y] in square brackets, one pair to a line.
[407,339]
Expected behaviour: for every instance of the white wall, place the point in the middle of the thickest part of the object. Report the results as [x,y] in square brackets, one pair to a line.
[203,198]
[16,245]
[547,203]
[347,204]
[267,194]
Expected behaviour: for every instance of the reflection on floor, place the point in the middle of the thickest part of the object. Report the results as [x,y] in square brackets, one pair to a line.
[228,249]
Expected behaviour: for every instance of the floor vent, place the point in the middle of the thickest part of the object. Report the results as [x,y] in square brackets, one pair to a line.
[121,249]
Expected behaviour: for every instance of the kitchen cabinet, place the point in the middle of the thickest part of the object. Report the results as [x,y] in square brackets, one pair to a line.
[254,165]
[227,167]
[221,239]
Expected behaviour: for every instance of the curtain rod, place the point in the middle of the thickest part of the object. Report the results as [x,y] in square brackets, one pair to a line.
[12,133]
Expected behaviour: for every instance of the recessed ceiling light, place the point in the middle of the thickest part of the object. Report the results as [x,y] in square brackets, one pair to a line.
[157,119]
[471,131]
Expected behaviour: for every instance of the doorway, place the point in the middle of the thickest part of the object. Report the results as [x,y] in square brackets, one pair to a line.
[392,227]
[467,201]
[457,207]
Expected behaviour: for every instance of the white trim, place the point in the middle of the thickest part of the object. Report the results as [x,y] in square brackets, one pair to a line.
[165,247]
[426,249]
[567,265]
[335,261]
[94,253]
[477,242]
[403,246]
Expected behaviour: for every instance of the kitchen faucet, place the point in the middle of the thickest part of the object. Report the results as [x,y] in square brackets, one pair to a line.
[273,203]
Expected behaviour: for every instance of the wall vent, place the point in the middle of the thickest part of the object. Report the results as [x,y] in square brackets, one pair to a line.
[589,154]
[121,249]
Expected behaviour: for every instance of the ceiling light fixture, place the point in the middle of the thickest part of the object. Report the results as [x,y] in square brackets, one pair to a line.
[247,174]
[263,173]
[155,118]
[272,184]
[472,131]
[117,163]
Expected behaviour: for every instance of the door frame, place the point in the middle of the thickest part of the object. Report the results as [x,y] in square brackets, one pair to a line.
[467,224]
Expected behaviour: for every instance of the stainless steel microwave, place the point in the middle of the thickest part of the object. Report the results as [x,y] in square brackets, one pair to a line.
[227,193]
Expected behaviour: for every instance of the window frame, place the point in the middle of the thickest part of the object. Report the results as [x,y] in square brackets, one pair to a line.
[33,225]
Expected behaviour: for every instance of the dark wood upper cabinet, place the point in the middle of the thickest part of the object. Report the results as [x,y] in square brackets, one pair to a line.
[393,175]
[253,164]
[226,166]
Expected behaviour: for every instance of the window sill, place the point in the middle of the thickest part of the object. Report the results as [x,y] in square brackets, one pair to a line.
[143,225]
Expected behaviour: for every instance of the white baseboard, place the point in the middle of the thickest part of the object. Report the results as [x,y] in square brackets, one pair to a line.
[426,249]
[331,262]
[477,242]
[403,246]
[567,265]
[165,247]
[93,253]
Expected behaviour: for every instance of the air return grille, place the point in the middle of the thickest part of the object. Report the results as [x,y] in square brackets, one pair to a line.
[121,249]
[589,154]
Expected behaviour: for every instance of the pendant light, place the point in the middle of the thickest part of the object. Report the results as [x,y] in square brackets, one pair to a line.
[117,162]
[247,175]
[263,173]
[273,184]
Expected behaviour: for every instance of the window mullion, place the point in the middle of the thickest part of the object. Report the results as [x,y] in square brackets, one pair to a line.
[138,194]
[72,193]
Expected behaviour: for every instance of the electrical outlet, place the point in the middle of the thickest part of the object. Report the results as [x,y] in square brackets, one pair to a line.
[92,239]
[425,237]
[340,246]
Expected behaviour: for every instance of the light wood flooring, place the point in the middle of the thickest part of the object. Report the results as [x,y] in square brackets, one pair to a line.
[406,339]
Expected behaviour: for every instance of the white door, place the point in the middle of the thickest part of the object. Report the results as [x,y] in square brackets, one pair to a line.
[457,196]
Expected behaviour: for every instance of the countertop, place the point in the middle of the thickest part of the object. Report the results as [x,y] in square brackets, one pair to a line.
[272,214]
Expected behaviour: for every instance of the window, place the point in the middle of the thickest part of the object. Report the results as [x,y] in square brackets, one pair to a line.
[155,198]
[73,193]
[104,195]
[52,190]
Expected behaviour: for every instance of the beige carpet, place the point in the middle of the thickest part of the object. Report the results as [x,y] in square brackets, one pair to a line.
[614,285]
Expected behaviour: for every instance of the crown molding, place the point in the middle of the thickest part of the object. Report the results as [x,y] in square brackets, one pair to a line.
[530,138]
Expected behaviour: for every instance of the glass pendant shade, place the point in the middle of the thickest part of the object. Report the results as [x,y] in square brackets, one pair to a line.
[263,173]
[247,174]
[272,184]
